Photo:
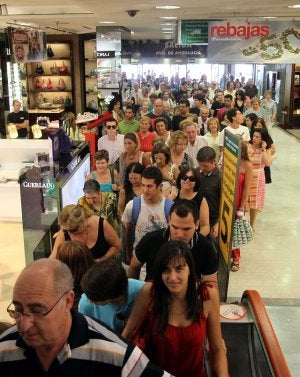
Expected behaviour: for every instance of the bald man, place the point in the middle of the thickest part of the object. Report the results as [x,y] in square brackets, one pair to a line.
[49,338]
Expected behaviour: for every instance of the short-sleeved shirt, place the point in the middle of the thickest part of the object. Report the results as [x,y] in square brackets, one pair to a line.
[205,257]
[18,118]
[113,315]
[114,147]
[242,131]
[146,141]
[125,127]
[151,217]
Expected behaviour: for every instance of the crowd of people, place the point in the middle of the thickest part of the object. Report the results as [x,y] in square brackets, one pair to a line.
[137,251]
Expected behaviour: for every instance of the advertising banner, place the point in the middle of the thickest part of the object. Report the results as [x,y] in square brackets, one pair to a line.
[27,45]
[228,196]
[253,42]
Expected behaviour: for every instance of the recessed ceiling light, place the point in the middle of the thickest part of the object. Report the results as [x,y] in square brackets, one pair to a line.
[167,28]
[294,6]
[106,22]
[168,24]
[169,17]
[168,32]
[267,17]
[168,7]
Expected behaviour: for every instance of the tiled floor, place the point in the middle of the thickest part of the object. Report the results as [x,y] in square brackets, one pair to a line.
[270,263]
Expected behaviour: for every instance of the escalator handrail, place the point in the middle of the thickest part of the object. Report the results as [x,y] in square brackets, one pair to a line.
[271,343]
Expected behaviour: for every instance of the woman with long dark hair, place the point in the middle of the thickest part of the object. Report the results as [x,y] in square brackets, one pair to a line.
[132,185]
[182,313]
[113,111]
[259,157]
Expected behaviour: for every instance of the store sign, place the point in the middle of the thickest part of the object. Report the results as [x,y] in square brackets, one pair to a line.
[228,193]
[27,45]
[106,54]
[137,49]
[253,42]
[193,32]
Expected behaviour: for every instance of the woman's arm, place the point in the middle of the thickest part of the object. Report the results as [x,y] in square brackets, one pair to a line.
[266,157]
[246,188]
[112,239]
[121,201]
[216,347]
[117,178]
[204,218]
[140,305]
[59,239]
[272,149]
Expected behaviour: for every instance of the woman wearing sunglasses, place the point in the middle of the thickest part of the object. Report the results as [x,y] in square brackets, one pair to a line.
[112,142]
[188,184]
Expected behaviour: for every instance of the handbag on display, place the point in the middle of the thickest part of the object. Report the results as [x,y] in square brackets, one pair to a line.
[63,68]
[37,83]
[12,131]
[44,84]
[242,232]
[68,101]
[93,105]
[49,84]
[50,52]
[54,69]
[39,69]
[61,84]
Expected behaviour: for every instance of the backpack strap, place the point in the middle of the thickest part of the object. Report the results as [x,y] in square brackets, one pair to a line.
[167,207]
[136,209]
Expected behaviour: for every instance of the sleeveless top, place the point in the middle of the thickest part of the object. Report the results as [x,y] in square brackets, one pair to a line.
[184,344]
[101,246]
[105,187]
[197,199]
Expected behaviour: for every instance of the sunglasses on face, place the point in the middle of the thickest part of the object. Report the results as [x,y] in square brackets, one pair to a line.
[109,127]
[190,178]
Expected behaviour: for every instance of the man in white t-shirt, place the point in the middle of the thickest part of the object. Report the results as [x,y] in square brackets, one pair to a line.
[235,117]
[152,212]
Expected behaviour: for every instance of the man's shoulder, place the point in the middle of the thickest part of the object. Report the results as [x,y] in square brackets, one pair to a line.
[202,243]
[158,235]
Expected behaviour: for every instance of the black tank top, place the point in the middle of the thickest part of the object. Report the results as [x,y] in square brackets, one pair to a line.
[101,246]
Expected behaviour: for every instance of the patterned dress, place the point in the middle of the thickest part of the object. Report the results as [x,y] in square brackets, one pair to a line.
[257,187]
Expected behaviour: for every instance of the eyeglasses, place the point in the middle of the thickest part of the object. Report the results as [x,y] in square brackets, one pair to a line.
[35,315]
[190,178]
[109,127]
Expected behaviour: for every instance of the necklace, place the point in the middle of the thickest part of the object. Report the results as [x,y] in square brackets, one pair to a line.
[131,158]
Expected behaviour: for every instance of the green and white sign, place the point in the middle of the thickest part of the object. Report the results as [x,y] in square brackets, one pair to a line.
[193,32]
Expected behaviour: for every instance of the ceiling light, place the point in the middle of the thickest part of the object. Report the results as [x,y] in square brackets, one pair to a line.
[294,6]
[168,32]
[168,7]
[167,28]
[169,17]
[168,24]
[106,22]
[267,17]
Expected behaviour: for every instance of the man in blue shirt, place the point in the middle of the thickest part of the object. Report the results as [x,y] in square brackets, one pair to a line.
[108,294]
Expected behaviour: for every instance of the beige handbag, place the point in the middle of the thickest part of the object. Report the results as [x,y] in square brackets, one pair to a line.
[61,84]
[12,131]
[37,133]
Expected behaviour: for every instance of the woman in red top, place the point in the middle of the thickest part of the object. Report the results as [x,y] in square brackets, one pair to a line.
[144,135]
[182,312]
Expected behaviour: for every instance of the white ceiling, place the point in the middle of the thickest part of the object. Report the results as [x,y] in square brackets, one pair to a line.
[77,16]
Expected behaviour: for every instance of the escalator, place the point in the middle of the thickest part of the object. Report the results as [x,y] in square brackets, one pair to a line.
[252,346]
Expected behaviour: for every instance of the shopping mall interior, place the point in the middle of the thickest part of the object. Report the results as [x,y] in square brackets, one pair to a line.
[270,262]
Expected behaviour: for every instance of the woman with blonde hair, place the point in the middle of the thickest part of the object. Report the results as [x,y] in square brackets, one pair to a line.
[79,259]
[270,107]
[94,231]
[212,135]
[177,145]
[145,136]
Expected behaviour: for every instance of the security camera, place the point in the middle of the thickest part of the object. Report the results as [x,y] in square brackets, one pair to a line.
[132,13]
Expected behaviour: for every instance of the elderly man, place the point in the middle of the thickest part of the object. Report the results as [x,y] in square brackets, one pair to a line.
[49,338]
[195,142]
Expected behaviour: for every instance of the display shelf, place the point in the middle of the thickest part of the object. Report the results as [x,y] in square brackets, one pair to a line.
[61,90]
[90,72]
